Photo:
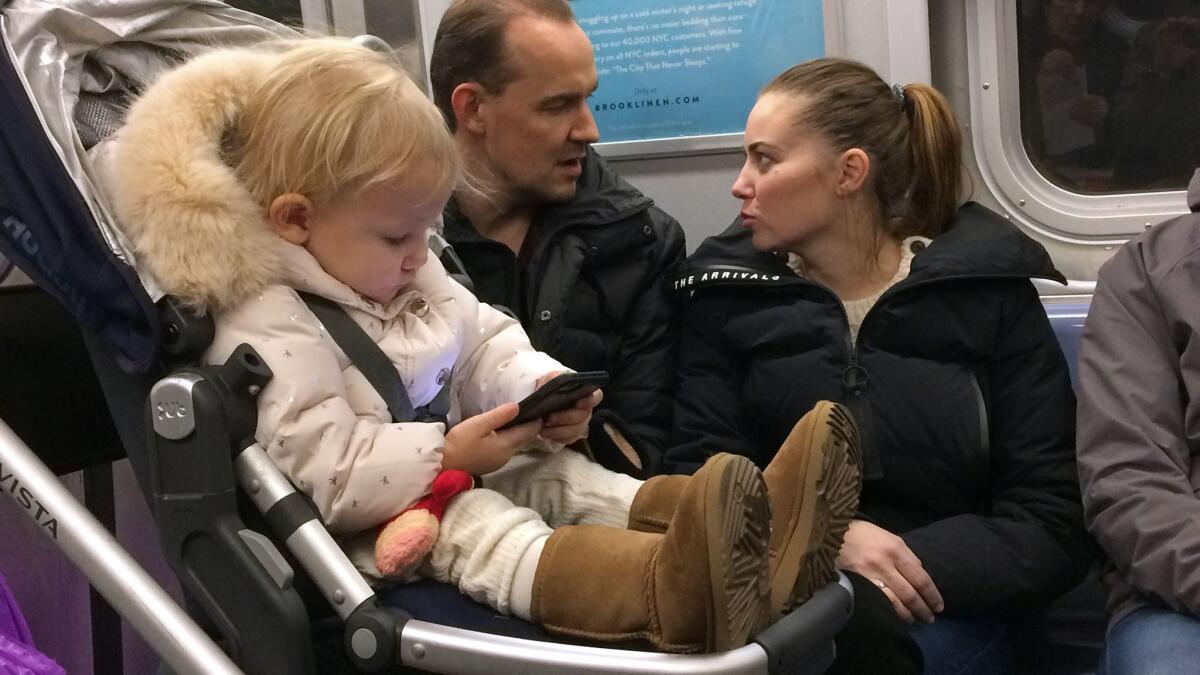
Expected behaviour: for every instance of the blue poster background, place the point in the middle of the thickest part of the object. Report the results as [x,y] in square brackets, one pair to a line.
[671,68]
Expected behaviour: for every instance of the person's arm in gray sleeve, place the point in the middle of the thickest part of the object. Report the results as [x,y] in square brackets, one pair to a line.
[1134,460]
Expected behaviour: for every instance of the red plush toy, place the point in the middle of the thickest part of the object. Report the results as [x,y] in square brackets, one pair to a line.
[404,540]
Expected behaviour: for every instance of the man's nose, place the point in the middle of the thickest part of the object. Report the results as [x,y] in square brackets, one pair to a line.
[585,129]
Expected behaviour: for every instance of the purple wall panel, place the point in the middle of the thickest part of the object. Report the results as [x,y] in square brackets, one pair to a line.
[54,595]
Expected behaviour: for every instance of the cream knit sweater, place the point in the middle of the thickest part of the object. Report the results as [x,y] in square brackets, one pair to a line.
[856,310]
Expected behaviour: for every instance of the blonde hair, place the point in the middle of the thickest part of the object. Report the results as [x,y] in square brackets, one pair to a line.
[331,119]
[909,133]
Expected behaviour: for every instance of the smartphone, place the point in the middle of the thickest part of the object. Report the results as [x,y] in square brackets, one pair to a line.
[559,393]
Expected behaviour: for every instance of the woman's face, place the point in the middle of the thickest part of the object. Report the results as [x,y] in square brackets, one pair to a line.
[788,185]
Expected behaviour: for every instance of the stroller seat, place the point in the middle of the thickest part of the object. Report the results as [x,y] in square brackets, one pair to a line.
[188,431]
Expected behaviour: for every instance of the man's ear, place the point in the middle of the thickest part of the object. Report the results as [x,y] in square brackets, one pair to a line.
[853,167]
[290,215]
[466,100]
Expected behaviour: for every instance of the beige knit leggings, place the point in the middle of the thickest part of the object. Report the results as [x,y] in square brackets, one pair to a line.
[485,532]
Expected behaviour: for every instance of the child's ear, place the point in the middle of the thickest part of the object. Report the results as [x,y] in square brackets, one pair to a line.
[465,100]
[290,216]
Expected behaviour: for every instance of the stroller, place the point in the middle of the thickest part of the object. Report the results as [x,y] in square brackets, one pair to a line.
[221,506]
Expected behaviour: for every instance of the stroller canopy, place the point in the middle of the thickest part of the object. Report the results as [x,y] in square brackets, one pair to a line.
[68,70]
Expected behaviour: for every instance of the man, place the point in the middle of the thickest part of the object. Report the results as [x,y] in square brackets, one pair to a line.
[548,230]
[1139,444]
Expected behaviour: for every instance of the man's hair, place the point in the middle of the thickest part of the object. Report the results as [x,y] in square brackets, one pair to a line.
[331,119]
[470,45]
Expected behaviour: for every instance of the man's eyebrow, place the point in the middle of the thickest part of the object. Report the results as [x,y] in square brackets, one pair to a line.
[562,97]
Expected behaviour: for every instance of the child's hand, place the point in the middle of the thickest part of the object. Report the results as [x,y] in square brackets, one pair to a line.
[570,425]
[474,445]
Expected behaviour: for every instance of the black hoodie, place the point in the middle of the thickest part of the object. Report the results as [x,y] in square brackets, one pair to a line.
[959,387]
[592,290]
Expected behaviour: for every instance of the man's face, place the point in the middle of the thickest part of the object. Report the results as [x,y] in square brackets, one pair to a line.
[537,131]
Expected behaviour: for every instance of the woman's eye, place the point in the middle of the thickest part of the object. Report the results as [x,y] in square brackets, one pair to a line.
[764,162]
[396,241]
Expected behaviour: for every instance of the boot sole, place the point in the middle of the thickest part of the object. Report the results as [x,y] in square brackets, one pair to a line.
[831,480]
[738,524]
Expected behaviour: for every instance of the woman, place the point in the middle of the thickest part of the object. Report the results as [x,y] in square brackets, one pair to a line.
[854,275]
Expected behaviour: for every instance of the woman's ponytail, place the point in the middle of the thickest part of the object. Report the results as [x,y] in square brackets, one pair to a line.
[936,153]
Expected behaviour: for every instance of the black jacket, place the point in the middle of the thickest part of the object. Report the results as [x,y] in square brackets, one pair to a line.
[960,389]
[592,289]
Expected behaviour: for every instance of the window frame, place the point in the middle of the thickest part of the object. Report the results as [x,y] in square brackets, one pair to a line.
[1005,165]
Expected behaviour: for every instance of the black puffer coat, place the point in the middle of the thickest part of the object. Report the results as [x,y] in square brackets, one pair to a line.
[592,289]
[960,389]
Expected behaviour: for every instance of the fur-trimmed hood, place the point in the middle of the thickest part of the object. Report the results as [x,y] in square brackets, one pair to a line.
[193,225]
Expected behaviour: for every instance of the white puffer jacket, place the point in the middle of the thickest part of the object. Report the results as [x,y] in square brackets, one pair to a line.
[199,234]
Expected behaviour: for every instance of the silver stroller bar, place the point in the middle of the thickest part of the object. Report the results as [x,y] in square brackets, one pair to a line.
[109,568]
[333,573]
[444,649]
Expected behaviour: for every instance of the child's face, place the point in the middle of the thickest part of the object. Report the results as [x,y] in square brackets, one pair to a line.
[375,242]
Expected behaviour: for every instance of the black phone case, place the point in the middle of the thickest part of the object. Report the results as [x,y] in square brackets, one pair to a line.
[557,394]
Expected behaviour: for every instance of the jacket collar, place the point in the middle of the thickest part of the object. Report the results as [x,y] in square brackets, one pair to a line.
[978,243]
[981,243]
[601,198]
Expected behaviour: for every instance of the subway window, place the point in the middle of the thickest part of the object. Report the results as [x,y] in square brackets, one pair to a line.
[1109,92]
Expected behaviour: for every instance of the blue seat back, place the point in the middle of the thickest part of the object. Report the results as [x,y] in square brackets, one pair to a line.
[1067,317]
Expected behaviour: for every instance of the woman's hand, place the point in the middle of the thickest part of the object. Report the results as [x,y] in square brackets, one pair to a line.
[570,425]
[476,445]
[886,561]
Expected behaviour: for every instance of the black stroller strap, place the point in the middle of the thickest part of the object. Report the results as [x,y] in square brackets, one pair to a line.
[365,355]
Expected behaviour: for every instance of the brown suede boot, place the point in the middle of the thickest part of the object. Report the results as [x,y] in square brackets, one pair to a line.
[654,504]
[700,587]
[813,482]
